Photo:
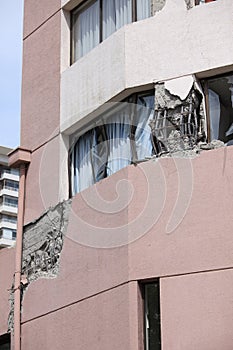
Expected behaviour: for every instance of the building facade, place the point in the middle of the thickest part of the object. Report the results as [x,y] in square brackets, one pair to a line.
[9,186]
[125,163]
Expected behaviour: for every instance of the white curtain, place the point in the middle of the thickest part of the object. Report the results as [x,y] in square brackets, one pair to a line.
[82,174]
[116,13]
[144,112]
[214,114]
[102,151]
[86,30]
[118,135]
[143,9]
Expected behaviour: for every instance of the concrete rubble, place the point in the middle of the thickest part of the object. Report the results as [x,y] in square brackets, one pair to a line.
[179,122]
[42,246]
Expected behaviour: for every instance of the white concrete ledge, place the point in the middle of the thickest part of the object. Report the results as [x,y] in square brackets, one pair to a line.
[175,42]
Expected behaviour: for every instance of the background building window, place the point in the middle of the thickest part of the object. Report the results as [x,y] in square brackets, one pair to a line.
[95,20]
[152,316]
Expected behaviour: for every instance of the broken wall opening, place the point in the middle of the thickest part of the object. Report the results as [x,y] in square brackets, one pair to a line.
[42,247]
[179,117]
[148,124]
[178,123]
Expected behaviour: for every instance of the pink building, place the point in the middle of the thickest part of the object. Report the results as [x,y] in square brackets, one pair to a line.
[124,237]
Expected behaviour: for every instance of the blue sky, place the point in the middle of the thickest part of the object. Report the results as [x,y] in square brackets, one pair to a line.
[11,28]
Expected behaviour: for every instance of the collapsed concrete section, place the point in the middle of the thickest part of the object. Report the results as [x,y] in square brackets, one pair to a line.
[42,245]
[179,122]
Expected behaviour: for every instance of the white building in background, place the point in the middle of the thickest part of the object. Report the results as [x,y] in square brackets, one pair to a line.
[9,187]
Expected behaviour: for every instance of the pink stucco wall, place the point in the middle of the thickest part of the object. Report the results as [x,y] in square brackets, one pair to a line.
[7,263]
[99,322]
[41,84]
[36,13]
[42,185]
[95,302]
[198,244]
[197,311]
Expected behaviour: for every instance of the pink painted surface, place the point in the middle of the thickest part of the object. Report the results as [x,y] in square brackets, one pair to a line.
[42,181]
[203,240]
[36,13]
[7,265]
[197,311]
[198,243]
[41,85]
[100,322]
[83,273]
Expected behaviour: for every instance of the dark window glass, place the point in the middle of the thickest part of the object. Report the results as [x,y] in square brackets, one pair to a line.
[152,316]
[5,342]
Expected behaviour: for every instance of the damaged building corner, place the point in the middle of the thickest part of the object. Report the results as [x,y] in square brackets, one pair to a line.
[179,124]
[42,246]
[42,243]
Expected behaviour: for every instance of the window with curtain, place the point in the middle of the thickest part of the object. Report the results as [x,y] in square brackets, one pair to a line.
[96,20]
[220,108]
[123,137]
[86,29]
[116,13]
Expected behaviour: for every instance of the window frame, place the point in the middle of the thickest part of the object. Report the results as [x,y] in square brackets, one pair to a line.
[205,86]
[143,286]
[100,122]
[82,7]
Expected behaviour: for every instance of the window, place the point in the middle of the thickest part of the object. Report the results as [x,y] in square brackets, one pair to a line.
[10,201]
[95,20]
[11,185]
[8,233]
[122,137]
[8,218]
[14,235]
[152,316]
[5,342]
[154,123]
[219,93]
